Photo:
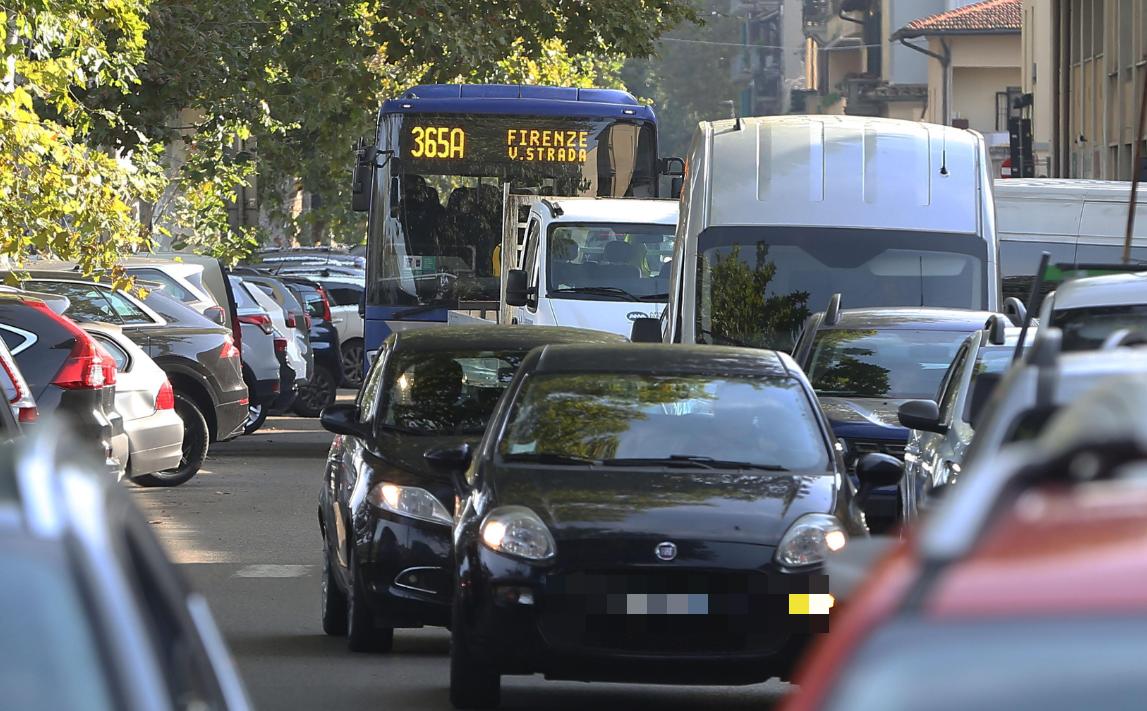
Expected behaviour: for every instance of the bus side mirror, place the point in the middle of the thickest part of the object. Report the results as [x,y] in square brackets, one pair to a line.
[676,185]
[362,183]
[517,287]
[674,168]
[646,330]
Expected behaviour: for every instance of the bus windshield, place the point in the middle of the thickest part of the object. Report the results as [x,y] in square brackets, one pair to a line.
[435,238]
[757,285]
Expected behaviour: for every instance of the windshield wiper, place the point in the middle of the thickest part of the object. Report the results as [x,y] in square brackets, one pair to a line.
[549,458]
[598,291]
[663,296]
[728,341]
[690,460]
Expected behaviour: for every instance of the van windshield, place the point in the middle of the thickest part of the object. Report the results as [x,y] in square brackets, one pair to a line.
[622,262]
[757,285]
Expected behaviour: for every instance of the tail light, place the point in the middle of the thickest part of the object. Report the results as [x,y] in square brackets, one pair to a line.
[263,321]
[280,345]
[21,402]
[165,399]
[28,414]
[326,304]
[228,350]
[110,370]
[84,369]
[291,321]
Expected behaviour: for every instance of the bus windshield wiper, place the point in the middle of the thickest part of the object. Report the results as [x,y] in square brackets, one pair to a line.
[598,291]
[549,458]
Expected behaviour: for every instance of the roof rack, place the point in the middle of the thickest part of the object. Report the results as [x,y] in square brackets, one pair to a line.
[832,313]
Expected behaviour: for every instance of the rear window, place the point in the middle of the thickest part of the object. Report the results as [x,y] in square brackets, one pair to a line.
[118,354]
[242,299]
[171,287]
[344,295]
[87,302]
[312,299]
[1040,664]
[49,655]
[1086,329]
[174,311]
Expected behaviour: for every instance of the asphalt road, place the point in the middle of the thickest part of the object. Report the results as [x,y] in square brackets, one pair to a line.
[246,533]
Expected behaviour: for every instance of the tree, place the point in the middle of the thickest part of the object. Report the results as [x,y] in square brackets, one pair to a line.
[58,192]
[740,311]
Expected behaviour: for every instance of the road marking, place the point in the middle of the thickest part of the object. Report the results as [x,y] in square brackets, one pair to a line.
[273,571]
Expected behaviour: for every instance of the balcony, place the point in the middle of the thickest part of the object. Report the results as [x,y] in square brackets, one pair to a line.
[868,95]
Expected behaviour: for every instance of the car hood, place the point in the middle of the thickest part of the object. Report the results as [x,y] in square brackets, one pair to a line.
[701,504]
[611,316]
[864,417]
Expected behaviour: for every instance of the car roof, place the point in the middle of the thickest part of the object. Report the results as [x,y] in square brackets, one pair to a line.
[613,210]
[921,318]
[456,338]
[659,359]
[1106,290]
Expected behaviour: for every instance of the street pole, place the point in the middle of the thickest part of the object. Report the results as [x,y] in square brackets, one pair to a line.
[1136,172]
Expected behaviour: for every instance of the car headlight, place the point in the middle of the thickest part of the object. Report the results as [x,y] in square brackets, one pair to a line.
[409,501]
[517,531]
[809,540]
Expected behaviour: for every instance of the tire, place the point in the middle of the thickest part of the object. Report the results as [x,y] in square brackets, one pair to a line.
[316,394]
[196,440]
[256,416]
[334,602]
[474,684]
[362,635]
[352,363]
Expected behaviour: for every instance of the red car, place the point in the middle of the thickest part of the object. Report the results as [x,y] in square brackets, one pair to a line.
[1026,591]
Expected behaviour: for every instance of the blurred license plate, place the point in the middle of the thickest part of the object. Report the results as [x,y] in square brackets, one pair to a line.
[669,604]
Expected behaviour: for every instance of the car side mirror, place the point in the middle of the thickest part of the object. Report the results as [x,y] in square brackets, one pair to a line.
[876,471]
[1015,310]
[453,460]
[343,419]
[645,330]
[216,314]
[921,415]
[517,287]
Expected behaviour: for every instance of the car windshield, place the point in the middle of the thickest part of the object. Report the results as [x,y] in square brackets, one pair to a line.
[893,363]
[757,285]
[1061,664]
[634,259]
[49,657]
[446,393]
[595,417]
[1085,329]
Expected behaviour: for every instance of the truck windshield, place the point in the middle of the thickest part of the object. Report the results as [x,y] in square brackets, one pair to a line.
[757,285]
[633,259]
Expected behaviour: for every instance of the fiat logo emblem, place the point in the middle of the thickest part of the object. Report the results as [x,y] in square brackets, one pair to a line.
[666,550]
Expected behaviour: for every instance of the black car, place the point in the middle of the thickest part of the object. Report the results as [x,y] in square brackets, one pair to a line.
[865,363]
[95,615]
[322,388]
[385,514]
[199,357]
[644,513]
[70,375]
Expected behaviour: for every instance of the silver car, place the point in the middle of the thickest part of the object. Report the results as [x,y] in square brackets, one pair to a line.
[146,401]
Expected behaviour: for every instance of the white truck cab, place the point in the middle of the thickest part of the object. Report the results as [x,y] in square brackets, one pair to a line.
[596,263]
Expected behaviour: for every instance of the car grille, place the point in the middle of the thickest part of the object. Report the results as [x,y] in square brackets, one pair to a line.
[742,617]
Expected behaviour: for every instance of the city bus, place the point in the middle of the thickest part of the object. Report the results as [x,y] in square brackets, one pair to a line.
[446,161]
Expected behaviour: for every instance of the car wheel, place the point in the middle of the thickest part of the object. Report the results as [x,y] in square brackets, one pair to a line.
[334,600]
[316,394]
[196,440]
[362,635]
[256,416]
[352,363]
[474,684]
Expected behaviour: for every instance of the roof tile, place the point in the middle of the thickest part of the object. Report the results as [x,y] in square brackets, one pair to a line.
[986,16]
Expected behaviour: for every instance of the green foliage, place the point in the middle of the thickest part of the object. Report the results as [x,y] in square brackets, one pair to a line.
[740,313]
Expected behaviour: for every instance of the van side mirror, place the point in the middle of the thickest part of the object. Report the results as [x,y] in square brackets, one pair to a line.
[646,330]
[876,471]
[923,415]
[517,287]
[362,181]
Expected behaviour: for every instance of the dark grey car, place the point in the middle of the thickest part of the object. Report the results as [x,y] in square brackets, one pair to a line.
[199,357]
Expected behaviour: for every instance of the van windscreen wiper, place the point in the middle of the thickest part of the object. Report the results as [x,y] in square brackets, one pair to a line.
[614,291]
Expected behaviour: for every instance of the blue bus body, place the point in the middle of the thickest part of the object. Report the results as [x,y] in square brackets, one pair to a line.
[427,255]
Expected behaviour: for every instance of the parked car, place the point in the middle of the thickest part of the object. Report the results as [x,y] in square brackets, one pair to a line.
[261,367]
[386,555]
[1089,310]
[294,366]
[181,280]
[943,428]
[346,297]
[863,363]
[295,318]
[646,513]
[67,372]
[146,400]
[1023,590]
[200,358]
[322,388]
[96,617]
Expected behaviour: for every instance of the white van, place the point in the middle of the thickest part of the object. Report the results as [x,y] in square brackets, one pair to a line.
[781,212]
[596,263]
[1079,222]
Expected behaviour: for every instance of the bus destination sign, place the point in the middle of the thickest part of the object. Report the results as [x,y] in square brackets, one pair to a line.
[530,144]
